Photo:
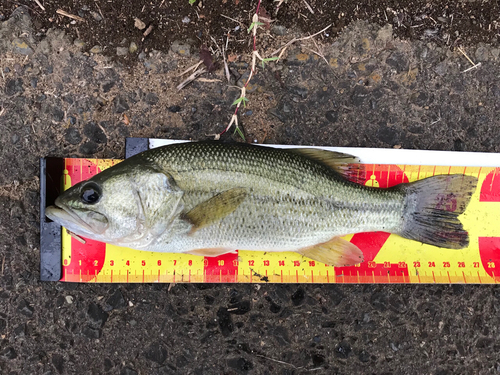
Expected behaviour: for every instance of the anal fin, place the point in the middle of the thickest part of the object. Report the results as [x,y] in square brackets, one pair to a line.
[337,253]
[212,252]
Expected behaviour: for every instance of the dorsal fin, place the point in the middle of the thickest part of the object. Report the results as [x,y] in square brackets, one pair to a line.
[348,166]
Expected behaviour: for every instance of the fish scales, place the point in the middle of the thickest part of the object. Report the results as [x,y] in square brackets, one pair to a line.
[299,201]
[211,198]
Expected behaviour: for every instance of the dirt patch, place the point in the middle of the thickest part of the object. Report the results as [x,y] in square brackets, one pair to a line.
[110,24]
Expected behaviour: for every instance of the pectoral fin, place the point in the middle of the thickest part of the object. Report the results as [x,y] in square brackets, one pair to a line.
[337,252]
[216,208]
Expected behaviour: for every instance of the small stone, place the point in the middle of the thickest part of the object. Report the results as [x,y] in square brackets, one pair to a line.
[72,136]
[484,342]
[96,16]
[57,114]
[332,116]
[139,24]
[121,51]
[174,108]
[116,301]
[14,86]
[92,333]
[128,371]
[181,361]
[151,98]
[458,289]
[96,49]
[20,330]
[106,86]
[318,359]
[95,133]
[384,35]
[298,297]
[458,145]
[278,30]
[79,43]
[132,47]
[343,350]
[88,148]
[379,301]
[186,19]
[156,353]
[21,47]
[225,321]
[273,306]
[397,61]
[482,54]
[69,299]
[34,82]
[14,139]
[97,316]
[364,356]
[58,362]
[9,353]
[181,48]
[281,335]
[25,308]
[120,105]
[108,364]
[300,91]
[240,364]
[441,68]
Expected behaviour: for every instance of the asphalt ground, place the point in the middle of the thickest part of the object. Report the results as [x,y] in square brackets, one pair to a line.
[364,87]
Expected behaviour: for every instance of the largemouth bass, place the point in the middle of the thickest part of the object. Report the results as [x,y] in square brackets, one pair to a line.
[211,198]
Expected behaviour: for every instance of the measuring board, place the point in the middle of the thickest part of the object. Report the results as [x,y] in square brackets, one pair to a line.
[388,258]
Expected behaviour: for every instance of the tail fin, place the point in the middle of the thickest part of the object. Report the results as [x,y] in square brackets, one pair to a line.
[432,207]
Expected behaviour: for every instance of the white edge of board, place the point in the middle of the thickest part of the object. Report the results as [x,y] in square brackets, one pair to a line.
[392,156]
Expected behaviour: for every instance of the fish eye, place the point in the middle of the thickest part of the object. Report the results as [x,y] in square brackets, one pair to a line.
[90,193]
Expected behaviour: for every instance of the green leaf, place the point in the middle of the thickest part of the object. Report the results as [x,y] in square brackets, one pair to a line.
[268,59]
[192,2]
[240,99]
[240,133]
[237,101]
[254,24]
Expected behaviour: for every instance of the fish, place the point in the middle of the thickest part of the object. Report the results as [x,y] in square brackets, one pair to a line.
[212,198]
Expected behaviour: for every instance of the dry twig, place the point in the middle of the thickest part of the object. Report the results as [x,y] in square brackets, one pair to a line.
[40,5]
[282,49]
[69,15]
[194,67]
[308,6]
[191,78]
[474,65]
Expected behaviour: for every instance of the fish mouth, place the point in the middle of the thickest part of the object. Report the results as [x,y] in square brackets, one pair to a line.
[66,216]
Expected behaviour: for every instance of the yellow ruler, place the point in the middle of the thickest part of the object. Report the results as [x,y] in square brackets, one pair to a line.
[388,258]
